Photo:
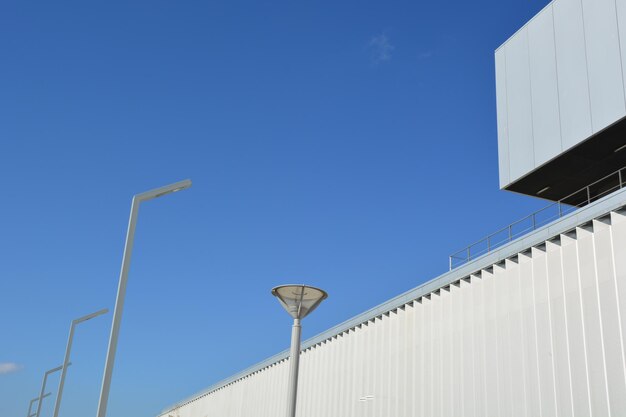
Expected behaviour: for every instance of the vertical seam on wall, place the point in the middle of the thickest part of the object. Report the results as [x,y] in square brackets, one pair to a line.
[457,394]
[556,398]
[582,15]
[466,334]
[404,383]
[534,309]
[442,358]
[556,69]
[530,92]
[453,362]
[426,323]
[410,354]
[582,320]
[355,353]
[619,44]
[506,110]
[509,326]
[617,296]
[567,343]
[460,325]
[597,285]
[516,278]
[495,329]
[343,372]
[470,289]
[386,388]
[521,330]
[432,354]
[379,367]
[483,347]
[502,333]
[418,338]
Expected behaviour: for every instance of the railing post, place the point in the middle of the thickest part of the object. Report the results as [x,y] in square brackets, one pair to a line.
[573,205]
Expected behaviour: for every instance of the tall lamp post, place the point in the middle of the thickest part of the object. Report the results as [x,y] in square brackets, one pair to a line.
[121,290]
[68,349]
[299,301]
[30,405]
[43,386]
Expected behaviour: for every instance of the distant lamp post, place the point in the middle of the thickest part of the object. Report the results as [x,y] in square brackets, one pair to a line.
[299,301]
[68,349]
[121,289]
[30,405]
[43,386]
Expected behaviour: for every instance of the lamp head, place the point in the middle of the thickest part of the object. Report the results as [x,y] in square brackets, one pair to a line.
[160,192]
[299,300]
[90,316]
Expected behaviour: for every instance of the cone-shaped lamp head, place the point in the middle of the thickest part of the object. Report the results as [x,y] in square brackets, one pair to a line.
[299,300]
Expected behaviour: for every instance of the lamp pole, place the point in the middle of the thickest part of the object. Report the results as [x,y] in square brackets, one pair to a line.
[299,301]
[43,386]
[68,349]
[294,368]
[121,289]
[30,405]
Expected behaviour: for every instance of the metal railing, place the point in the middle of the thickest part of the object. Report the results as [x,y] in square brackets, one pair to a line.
[539,218]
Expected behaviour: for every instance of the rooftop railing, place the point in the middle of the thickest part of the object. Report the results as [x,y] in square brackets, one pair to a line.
[539,218]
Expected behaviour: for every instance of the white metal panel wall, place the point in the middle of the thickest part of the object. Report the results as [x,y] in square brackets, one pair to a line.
[571,57]
[606,88]
[562,81]
[546,120]
[620,9]
[519,106]
[540,334]
[503,135]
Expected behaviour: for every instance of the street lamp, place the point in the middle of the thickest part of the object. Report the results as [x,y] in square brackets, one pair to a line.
[43,386]
[299,301]
[68,349]
[121,289]
[30,405]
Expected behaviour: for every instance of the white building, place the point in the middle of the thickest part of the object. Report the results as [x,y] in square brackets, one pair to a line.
[528,326]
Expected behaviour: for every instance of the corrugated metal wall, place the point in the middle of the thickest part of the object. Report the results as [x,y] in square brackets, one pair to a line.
[541,334]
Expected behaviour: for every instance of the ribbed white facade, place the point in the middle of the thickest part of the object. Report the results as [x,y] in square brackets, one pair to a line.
[540,333]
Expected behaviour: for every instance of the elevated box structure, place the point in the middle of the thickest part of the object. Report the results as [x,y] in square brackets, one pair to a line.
[561,98]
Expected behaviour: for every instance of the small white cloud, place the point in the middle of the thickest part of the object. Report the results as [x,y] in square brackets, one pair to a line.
[381,48]
[9,367]
[425,55]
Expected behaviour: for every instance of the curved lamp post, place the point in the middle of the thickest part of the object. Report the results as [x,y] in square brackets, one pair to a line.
[30,405]
[299,301]
[121,289]
[43,385]
[68,349]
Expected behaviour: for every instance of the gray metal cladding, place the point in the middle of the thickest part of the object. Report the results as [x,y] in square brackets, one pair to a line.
[519,106]
[544,90]
[540,333]
[503,129]
[573,82]
[559,80]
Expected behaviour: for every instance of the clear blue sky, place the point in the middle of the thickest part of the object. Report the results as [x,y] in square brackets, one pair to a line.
[345,144]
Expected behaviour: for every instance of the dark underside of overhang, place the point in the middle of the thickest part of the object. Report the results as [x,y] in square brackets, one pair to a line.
[568,175]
